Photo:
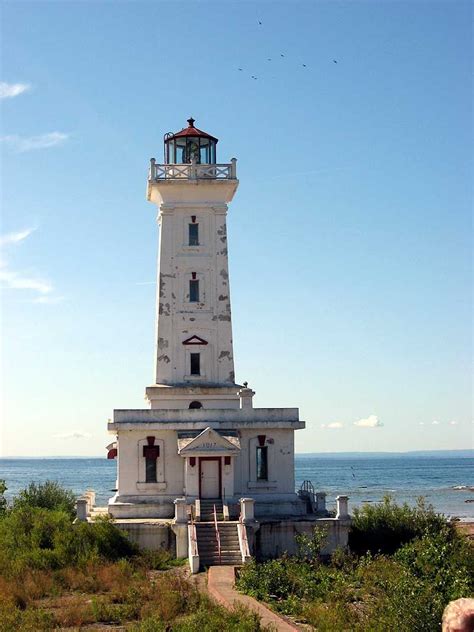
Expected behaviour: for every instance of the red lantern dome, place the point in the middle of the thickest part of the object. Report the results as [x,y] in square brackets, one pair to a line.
[188,144]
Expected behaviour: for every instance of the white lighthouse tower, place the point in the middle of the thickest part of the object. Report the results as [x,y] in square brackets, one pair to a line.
[201,441]
[194,354]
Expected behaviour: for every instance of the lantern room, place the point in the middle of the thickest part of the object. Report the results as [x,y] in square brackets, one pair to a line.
[188,145]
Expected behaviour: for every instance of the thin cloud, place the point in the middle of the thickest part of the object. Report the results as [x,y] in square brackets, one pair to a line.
[435,423]
[422,423]
[21,144]
[10,90]
[73,435]
[15,237]
[453,423]
[49,300]
[372,421]
[16,281]
[145,283]
[333,425]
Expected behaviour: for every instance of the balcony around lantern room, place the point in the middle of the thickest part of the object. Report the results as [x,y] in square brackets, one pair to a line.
[192,171]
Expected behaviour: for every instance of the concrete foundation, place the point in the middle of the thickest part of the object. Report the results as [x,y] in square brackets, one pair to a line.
[276,537]
[267,538]
[150,535]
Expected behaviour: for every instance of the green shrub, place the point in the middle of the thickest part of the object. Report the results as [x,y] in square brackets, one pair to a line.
[386,526]
[406,591]
[47,495]
[3,500]
[39,538]
[17,620]
[310,546]
[444,560]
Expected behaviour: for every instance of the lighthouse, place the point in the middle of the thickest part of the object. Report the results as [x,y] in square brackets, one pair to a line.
[194,359]
[200,443]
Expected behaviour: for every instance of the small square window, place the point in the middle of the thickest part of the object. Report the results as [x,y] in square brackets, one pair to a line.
[193,291]
[195,364]
[262,463]
[193,234]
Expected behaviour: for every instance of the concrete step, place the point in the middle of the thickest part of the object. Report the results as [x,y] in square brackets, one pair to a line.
[222,540]
[215,558]
[216,562]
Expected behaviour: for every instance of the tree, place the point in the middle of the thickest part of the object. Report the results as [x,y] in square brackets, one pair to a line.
[47,495]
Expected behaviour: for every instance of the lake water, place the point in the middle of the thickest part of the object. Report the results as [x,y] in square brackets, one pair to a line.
[446,483]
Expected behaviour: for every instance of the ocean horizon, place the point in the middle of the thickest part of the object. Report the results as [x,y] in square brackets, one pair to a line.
[462,453]
[445,479]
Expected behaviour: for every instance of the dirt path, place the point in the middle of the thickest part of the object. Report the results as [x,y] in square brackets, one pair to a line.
[221,586]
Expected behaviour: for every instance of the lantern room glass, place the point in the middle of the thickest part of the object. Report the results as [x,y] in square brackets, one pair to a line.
[183,149]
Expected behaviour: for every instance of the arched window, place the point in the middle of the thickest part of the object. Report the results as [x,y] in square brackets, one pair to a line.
[195,405]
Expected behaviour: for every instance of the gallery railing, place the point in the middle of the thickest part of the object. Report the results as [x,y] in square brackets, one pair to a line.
[192,171]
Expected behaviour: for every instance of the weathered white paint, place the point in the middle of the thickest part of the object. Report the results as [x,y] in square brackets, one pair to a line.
[205,199]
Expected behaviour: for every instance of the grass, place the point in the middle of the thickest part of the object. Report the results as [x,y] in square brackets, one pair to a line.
[55,574]
[119,593]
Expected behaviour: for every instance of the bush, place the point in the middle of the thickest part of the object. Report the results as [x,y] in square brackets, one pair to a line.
[43,539]
[48,495]
[3,500]
[406,591]
[385,527]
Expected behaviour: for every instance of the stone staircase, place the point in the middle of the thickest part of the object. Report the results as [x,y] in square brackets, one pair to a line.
[207,510]
[208,547]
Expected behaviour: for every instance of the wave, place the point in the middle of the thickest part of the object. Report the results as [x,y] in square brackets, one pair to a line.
[469,488]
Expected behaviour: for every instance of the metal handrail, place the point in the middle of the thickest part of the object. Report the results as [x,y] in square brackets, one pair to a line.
[307,486]
[218,537]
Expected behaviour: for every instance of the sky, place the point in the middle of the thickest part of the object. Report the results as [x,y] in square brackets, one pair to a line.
[349,237]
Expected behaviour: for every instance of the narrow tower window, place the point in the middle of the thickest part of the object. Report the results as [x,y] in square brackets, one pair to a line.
[262,463]
[193,234]
[194,291]
[195,363]
[150,470]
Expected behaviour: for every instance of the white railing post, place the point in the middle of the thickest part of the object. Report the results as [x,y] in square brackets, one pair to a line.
[320,502]
[247,510]
[180,512]
[341,507]
[193,553]
[193,170]
[81,509]
[152,168]
[233,168]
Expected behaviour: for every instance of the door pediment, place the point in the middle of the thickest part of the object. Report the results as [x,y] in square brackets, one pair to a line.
[208,442]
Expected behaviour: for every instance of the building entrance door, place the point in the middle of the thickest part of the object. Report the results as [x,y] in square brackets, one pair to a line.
[210,471]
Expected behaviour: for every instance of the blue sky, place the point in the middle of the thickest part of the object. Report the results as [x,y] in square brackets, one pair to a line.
[350,234]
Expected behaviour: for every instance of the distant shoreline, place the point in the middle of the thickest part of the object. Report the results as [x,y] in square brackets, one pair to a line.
[458,454]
